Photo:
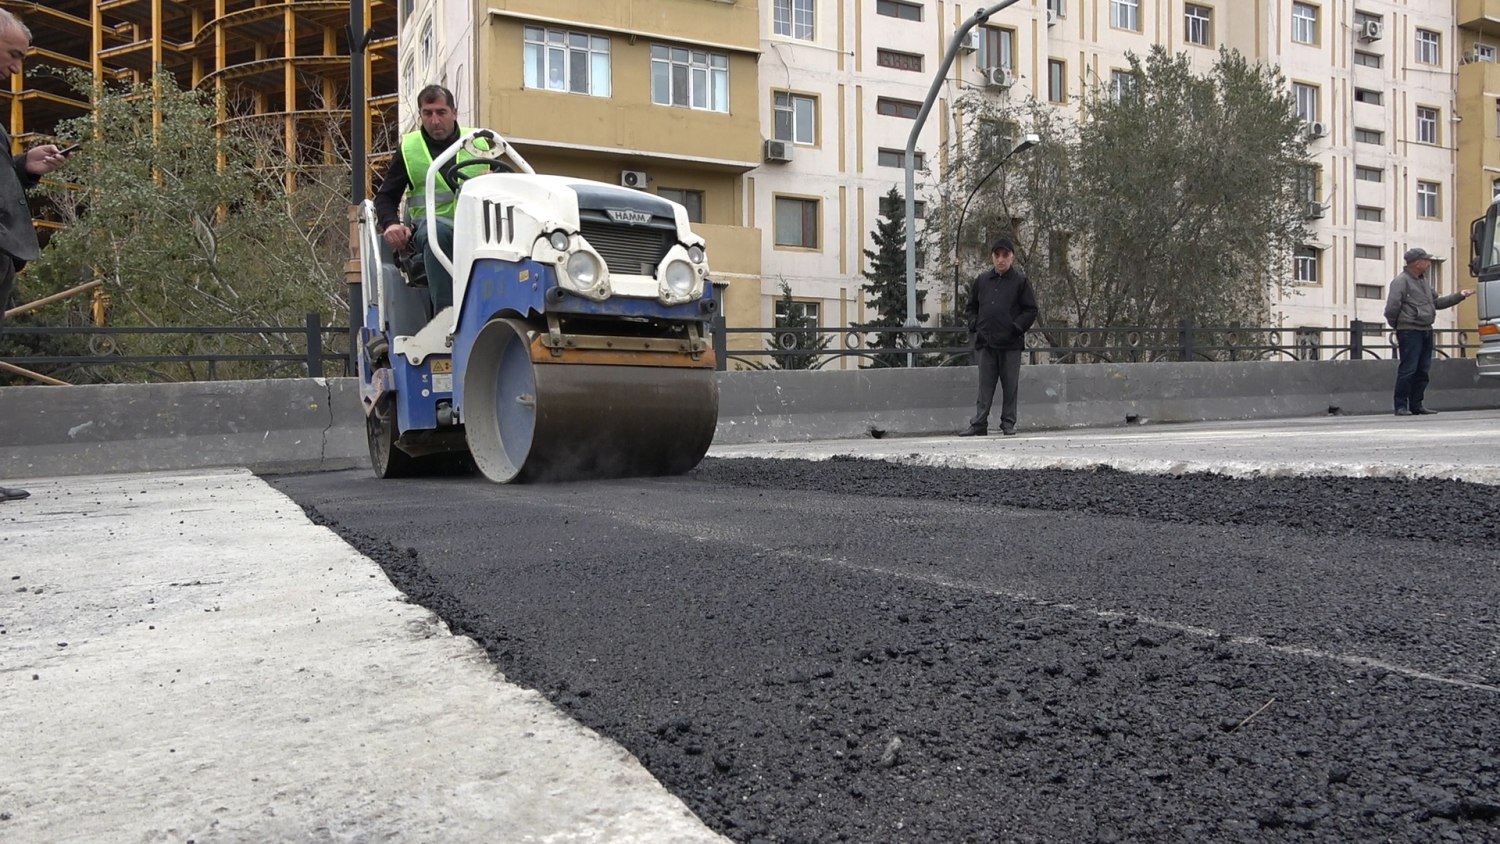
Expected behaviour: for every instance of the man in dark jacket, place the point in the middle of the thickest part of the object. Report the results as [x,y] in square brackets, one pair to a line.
[1002,306]
[1411,308]
[18,243]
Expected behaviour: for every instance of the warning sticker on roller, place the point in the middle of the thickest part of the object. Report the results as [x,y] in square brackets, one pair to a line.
[442,365]
[442,383]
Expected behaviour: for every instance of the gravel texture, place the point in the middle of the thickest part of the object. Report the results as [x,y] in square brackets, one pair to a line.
[857,651]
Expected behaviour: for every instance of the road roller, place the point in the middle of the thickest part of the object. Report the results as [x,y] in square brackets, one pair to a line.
[578,343]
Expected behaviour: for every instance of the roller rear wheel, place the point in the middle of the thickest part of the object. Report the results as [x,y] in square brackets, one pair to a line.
[569,421]
[386,458]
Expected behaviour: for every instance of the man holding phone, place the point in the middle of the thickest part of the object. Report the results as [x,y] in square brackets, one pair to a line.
[18,243]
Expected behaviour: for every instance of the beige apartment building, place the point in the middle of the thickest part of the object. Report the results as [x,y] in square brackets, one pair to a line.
[1376,81]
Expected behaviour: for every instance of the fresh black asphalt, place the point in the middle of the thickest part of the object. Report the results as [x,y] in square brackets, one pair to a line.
[857,651]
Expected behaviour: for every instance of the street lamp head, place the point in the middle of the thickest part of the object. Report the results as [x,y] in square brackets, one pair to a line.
[1027,141]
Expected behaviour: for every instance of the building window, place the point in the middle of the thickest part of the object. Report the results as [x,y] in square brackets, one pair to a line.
[1368,136]
[897,158]
[1304,23]
[1310,183]
[559,60]
[793,19]
[1058,8]
[1309,342]
[796,118]
[409,76]
[1366,59]
[897,108]
[1057,80]
[899,61]
[1369,174]
[425,48]
[1484,53]
[1428,194]
[897,9]
[1122,85]
[1429,47]
[1125,14]
[407,7]
[997,48]
[1369,214]
[1307,101]
[1368,97]
[801,314]
[1373,253]
[1495,190]
[1198,22]
[1427,125]
[692,200]
[797,222]
[1306,265]
[689,78]
[1369,291]
[897,210]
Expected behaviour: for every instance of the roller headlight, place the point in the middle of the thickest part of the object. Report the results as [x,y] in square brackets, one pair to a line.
[695,254]
[559,240]
[583,268]
[680,278]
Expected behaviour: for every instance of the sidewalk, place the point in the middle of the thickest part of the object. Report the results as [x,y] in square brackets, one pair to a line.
[184,657]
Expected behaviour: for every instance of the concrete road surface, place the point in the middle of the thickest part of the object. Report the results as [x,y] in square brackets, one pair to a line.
[1461,446]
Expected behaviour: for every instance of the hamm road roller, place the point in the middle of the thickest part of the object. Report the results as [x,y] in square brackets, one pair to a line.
[577,345]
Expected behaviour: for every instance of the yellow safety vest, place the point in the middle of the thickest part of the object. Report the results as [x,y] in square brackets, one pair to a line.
[417,157]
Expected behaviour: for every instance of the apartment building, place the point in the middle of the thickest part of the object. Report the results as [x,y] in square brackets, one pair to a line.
[658,95]
[1373,79]
[284,62]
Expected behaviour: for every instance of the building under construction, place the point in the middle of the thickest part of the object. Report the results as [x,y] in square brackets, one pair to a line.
[283,64]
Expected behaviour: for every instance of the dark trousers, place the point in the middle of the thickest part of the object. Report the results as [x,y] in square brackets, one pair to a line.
[7,284]
[1003,365]
[439,280]
[1416,361]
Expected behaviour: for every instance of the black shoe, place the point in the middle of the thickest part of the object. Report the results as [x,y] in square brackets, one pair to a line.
[973,431]
[1422,411]
[13,494]
[1008,430]
[1401,411]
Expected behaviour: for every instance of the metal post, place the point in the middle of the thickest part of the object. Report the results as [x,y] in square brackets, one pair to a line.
[719,324]
[359,106]
[314,346]
[911,160]
[1185,339]
[1356,339]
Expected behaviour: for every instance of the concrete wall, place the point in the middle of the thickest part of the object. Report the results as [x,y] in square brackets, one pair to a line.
[308,425]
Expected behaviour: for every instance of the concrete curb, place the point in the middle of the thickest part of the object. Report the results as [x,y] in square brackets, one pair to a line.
[314,424]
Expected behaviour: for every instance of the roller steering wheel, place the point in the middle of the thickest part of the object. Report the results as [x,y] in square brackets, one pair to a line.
[455,172]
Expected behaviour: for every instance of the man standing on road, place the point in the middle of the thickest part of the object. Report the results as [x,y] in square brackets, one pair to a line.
[1002,306]
[1411,308]
[18,243]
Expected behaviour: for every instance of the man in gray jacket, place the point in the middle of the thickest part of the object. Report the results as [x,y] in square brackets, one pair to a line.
[17,236]
[1411,308]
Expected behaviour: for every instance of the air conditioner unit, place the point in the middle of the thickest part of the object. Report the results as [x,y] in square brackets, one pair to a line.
[778,152]
[1316,210]
[633,179]
[999,77]
[1317,129]
[973,40]
[1372,31]
[1052,17]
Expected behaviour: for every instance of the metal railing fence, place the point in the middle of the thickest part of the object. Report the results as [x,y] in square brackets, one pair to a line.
[318,349]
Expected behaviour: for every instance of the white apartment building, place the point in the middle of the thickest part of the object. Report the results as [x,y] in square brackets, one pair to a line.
[841,80]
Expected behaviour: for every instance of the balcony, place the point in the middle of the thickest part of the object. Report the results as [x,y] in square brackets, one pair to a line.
[1479,15]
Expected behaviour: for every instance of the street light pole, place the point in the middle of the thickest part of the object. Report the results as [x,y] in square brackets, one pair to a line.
[1027,142]
[911,160]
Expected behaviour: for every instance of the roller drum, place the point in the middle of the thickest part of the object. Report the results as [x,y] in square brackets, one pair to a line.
[538,421]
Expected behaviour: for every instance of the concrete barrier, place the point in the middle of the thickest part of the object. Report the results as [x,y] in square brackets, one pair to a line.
[313,424]
[283,425]
[792,406]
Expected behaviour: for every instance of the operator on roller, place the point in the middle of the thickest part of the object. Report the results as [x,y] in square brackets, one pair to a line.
[408,176]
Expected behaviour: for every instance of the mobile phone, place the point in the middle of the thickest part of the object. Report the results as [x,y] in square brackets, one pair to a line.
[69,150]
